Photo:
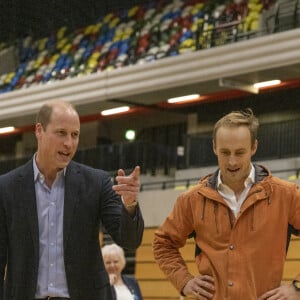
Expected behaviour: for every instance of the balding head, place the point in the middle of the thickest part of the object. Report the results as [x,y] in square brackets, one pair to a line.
[44,114]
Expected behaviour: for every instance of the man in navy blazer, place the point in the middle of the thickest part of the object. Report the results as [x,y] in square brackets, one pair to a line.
[50,212]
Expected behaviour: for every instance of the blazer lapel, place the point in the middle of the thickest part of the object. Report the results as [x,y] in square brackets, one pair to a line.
[26,190]
[72,197]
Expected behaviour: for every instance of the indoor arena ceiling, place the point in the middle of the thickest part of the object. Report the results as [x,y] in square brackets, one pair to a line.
[148,86]
[22,17]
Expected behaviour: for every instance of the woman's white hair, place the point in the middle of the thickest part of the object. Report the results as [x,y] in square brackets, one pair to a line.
[114,249]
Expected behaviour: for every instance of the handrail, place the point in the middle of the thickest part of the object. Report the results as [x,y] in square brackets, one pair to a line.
[186,183]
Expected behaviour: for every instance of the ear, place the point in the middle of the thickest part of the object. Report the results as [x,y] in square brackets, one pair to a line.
[254,148]
[214,147]
[38,129]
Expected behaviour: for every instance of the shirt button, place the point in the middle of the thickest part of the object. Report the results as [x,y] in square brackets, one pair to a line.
[231,247]
[230,283]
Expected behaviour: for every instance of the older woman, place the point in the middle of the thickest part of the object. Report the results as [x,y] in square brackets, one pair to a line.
[123,287]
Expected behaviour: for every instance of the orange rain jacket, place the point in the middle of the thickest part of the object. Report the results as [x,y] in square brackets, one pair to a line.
[245,255]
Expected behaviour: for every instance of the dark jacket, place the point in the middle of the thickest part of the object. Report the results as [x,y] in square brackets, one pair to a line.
[132,285]
[89,199]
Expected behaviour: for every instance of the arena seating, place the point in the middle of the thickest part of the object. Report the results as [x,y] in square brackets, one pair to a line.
[141,34]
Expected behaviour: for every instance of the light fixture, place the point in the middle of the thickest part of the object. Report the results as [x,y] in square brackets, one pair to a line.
[7,129]
[183,98]
[115,110]
[238,85]
[130,135]
[259,85]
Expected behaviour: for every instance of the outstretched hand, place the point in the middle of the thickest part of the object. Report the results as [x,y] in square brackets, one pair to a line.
[128,186]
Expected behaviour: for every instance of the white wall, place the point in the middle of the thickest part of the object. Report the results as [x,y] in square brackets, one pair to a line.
[156,205]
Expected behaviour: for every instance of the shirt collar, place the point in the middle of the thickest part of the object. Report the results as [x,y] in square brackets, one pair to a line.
[249,180]
[38,175]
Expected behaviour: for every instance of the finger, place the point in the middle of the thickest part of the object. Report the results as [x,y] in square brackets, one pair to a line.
[267,295]
[136,172]
[202,294]
[199,297]
[207,278]
[121,172]
[134,175]
[206,282]
[206,291]
[126,190]
[125,186]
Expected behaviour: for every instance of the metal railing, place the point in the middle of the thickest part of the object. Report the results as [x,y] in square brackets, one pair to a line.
[187,183]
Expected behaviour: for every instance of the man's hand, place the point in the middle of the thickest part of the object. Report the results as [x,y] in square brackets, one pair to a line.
[201,287]
[128,186]
[284,292]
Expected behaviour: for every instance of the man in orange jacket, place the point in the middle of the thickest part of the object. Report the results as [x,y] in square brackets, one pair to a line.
[240,215]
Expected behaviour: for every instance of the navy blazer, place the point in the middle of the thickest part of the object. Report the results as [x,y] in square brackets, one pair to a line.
[133,287]
[89,200]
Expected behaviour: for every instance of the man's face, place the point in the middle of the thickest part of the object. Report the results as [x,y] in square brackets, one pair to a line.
[233,149]
[58,142]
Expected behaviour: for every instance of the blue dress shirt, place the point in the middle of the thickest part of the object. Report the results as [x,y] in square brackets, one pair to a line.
[50,206]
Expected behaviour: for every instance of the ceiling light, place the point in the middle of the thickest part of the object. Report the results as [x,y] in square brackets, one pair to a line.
[266,83]
[130,135]
[183,98]
[7,129]
[116,110]
[234,84]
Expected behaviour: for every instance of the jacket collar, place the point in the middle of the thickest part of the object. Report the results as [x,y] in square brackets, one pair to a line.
[260,173]
[260,190]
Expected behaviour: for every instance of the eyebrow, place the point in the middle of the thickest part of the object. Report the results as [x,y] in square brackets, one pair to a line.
[226,149]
